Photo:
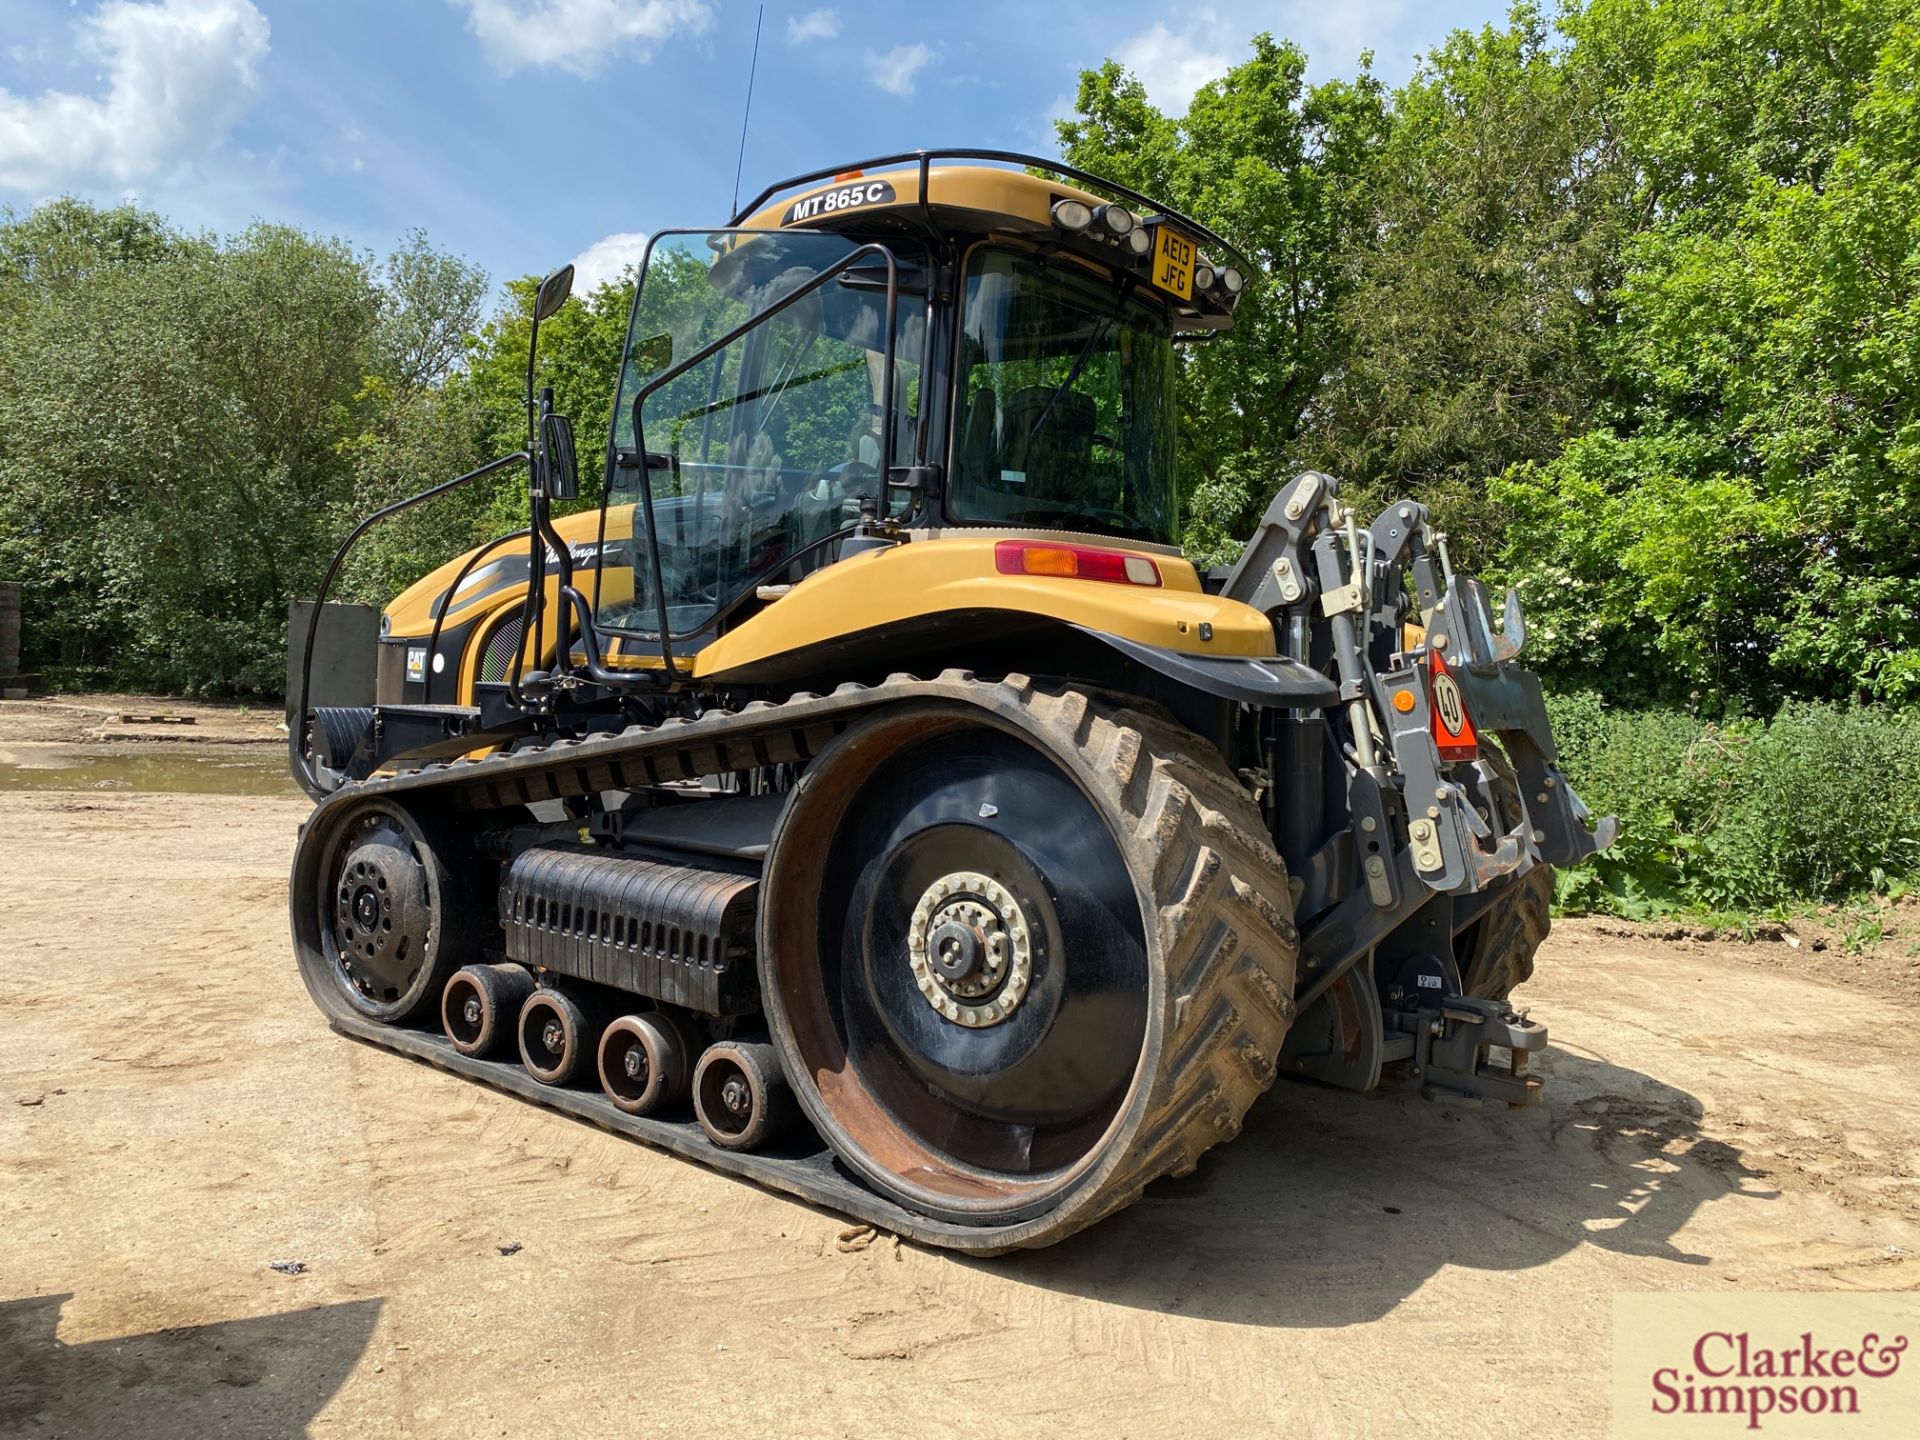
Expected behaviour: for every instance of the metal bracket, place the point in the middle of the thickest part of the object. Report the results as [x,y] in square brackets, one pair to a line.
[1451,1045]
[1343,601]
[1272,572]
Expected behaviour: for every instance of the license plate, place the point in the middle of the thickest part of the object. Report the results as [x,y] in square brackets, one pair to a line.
[1173,259]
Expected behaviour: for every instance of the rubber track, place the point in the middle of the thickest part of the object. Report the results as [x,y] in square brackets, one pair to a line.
[1221,917]
[1508,935]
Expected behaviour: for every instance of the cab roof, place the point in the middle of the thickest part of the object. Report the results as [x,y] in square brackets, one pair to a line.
[980,192]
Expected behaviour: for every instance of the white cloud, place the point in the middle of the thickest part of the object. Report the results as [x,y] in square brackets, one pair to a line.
[1173,66]
[814,25]
[578,35]
[607,259]
[178,74]
[895,71]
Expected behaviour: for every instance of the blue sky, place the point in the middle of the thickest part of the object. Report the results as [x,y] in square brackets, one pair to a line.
[523,133]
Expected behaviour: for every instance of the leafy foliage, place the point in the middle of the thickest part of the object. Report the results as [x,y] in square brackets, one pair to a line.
[188,426]
[1820,803]
[1635,309]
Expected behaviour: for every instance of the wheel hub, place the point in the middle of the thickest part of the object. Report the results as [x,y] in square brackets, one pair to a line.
[381,918]
[554,1036]
[971,949]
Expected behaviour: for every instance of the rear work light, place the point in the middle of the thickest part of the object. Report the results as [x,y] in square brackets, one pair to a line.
[1073,562]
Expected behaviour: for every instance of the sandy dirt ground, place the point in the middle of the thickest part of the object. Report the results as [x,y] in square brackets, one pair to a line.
[175,1117]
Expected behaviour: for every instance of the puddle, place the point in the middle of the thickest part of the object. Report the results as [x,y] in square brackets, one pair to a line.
[198,769]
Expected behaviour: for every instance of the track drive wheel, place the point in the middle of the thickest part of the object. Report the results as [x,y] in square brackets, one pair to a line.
[1022,953]
[388,918]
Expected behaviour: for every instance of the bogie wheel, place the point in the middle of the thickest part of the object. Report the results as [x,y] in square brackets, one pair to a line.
[646,1061]
[481,1005]
[556,1036]
[1023,955]
[388,920]
[740,1097]
[1495,953]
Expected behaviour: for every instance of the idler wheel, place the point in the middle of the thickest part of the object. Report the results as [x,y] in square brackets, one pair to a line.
[741,1096]
[556,1036]
[390,918]
[646,1061]
[479,1006]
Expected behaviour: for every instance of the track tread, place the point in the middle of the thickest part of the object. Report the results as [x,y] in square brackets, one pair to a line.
[1222,912]
[1508,936]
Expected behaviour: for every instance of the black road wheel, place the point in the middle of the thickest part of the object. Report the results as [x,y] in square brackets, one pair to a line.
[556,1036]
[740,1096]
[387,915]
[1020,960]
[481,1005]
[646,1061]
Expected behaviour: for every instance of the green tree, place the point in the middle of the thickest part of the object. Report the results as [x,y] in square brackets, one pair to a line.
[1277,167]
[1745,507]
[1481,278]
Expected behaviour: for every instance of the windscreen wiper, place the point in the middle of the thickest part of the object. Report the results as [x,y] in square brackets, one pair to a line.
[1079,364]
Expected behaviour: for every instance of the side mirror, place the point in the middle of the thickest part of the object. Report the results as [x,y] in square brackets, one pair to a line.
[554,291]
[562,465]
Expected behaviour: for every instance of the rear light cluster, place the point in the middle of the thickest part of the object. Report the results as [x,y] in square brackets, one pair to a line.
[1073,562]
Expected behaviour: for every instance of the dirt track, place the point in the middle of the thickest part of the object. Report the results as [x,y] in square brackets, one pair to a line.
[174,1116]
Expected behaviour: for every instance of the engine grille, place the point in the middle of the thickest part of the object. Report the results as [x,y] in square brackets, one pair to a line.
[678,933]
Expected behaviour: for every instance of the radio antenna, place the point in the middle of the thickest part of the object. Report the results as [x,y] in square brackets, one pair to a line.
[747,114]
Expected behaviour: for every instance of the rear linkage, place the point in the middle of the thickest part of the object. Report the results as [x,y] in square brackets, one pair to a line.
[1437,828]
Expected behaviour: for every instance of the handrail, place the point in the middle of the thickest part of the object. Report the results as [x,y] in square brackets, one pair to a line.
[1059,168]
[297,732]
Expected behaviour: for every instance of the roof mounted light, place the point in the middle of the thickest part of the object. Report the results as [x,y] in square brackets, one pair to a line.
[1138,240]
[1233,280]
[1203,277]
[1072,215]
[1114,220]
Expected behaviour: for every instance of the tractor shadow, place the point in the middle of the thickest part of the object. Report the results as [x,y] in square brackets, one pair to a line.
[265,1376]
[1332,1207]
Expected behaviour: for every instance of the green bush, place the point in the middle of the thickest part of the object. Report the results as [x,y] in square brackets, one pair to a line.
[1820,803]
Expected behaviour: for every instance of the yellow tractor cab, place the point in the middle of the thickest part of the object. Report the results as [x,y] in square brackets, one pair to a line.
[902,410]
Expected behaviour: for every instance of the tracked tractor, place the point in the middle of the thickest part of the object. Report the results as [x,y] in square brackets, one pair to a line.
[867,798]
